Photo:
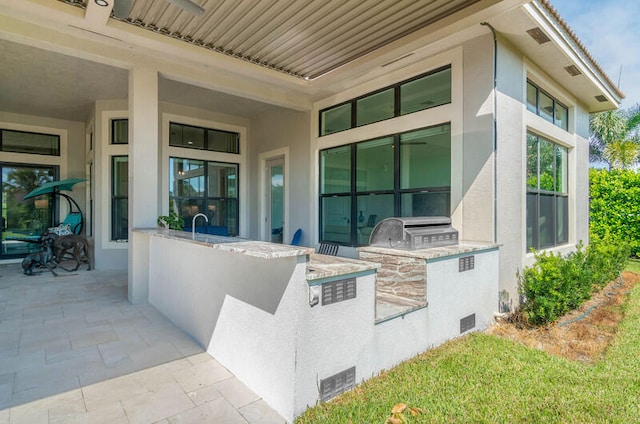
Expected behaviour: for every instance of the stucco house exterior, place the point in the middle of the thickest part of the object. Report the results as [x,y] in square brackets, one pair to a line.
[497,78]
[325,116]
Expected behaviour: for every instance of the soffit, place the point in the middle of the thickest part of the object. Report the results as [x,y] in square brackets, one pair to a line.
[553,57]
[304,38]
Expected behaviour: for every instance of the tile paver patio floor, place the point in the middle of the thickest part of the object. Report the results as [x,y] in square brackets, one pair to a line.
[73,349]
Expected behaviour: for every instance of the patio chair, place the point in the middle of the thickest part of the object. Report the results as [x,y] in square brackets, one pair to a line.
[74,221]
[295,241]
[328,248]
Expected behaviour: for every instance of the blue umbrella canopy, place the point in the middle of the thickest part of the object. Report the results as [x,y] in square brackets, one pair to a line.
[54,186]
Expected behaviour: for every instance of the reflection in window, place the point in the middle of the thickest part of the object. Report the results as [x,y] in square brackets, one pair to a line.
[197,186]
[28,142]
[375,107]
[547,107]
[119,198]
[547,199]
[363,183]
[192,137]
[423,92]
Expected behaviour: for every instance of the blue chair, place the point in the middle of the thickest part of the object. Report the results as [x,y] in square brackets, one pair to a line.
[295,241]
[74,221]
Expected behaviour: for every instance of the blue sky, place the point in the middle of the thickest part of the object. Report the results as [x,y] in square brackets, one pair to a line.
[610,31]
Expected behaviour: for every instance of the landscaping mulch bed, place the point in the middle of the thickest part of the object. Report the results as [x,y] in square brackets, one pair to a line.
[581,335]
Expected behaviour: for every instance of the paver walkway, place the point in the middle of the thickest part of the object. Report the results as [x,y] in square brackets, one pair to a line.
[73,350]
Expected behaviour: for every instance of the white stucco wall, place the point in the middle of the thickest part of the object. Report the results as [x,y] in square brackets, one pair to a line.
[271,132]
[478,169]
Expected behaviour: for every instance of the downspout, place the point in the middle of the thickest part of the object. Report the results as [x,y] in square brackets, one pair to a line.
[495,131]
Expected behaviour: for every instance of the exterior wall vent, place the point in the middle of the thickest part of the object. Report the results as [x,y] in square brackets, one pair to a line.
[337,291]
[572,70]
[601,98]
[467,323]
[537,34]
[466,263]
[338,383]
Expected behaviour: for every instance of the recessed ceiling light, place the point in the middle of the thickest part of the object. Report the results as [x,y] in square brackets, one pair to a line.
[102,3]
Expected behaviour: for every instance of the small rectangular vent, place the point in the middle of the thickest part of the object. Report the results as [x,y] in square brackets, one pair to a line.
[466,263]
[601,98]
[337,291]
[572,70]
[467,323]
[537,34]
[332,386]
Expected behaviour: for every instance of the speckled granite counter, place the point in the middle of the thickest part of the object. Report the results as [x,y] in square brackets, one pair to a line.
[259,249]
[322,267]
[462,248]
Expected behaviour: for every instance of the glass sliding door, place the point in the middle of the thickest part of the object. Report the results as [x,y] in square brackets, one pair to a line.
[24,220]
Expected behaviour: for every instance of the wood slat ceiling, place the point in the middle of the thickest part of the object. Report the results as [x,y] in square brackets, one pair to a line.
[304,38]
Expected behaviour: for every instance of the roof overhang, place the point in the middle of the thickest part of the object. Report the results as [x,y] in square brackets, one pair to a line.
[562,57]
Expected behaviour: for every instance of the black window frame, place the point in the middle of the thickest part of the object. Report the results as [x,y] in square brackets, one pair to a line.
[55,152]
[565,125]
[114,123]
[205,198]
[354,193]
[538,194]
[396,106]
[206,143]
[116,230]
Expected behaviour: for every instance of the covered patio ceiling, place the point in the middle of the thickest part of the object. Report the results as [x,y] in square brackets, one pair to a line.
[303,38]
[60,56]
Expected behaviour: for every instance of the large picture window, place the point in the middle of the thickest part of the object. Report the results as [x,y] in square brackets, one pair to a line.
[423,92]
[406,174]
[547,197]
[198,186]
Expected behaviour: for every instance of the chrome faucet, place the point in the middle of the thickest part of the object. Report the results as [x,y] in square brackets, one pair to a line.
[193,224]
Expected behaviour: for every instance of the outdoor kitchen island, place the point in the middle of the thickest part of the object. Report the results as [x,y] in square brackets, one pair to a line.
[297,327]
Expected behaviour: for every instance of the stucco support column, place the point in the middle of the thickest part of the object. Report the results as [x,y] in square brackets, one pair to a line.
[143,174]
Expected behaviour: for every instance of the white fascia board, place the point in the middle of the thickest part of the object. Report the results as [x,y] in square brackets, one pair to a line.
[568,47]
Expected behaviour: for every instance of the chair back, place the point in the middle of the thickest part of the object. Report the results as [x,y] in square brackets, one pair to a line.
[295,241]
[74,221]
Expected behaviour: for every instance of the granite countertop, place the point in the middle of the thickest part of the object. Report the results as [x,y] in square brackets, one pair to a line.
[260,249]
[324,266]
[434,252]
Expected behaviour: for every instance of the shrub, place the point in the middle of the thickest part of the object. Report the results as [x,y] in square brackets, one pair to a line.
[554,284]
[615,206]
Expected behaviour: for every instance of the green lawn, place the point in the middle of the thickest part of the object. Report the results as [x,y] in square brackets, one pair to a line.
[483,378]
[634,265]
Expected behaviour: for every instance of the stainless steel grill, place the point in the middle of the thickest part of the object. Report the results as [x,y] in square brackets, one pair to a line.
[414,233]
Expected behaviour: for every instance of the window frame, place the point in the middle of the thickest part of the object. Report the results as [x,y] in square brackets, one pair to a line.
[396,191]
[206,144]
[555,103]
[114,199]
[556,195]
[396,99]
[206,198]
[55,152]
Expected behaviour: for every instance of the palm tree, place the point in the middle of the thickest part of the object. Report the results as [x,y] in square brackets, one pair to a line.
[615,138]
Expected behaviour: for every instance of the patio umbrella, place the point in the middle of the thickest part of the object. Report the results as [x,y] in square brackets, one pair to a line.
[55,188]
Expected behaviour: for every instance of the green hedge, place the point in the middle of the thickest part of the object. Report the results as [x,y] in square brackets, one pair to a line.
[554,284]
[615,206]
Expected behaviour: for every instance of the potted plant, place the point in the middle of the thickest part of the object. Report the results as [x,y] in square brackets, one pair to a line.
[173,221]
